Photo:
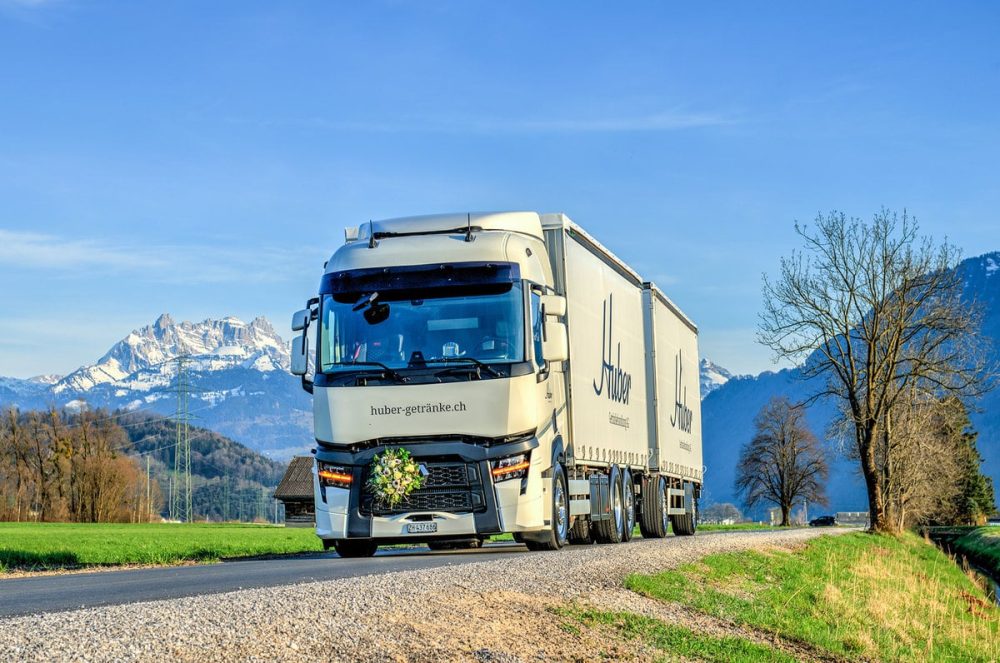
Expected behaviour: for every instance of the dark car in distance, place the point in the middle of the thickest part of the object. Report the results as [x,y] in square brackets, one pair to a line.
[823,521]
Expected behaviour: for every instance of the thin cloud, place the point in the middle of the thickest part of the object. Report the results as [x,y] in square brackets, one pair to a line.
[671,120]
[165,263]
[28,4]
[38,13]
[666,121]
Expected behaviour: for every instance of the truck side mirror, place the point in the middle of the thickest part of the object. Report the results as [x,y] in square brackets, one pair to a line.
[554,305]
[300,354]
[300,320]
[555,345]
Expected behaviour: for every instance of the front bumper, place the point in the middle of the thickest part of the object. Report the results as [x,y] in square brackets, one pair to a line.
[462,498]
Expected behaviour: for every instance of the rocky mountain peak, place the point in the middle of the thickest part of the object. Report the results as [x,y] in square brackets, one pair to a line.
[712,376]
[163,322]
[211,345]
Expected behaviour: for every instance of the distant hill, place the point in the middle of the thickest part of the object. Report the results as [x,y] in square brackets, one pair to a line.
[228,479]
[728,412]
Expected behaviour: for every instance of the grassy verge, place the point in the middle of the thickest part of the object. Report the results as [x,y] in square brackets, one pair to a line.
[851,596]
[671,640]
[40,546]
[981,546]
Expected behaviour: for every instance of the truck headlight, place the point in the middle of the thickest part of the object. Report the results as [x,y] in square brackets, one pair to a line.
[336,476]
[511,467]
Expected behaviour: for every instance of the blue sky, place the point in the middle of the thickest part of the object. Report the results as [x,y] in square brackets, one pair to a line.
[203,158]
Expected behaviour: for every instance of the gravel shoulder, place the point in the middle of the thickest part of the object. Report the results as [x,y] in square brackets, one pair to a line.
[498,610]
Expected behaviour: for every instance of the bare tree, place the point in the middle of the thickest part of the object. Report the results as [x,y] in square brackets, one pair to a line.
[784,463]
[721,512]
[56,467]
[876,313]
[920,462]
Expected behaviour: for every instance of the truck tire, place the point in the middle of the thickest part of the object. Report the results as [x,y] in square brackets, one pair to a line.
[355,547]
[581,533]
[611,530]
[558,534]
[628,506]
[654,522]
[683,525]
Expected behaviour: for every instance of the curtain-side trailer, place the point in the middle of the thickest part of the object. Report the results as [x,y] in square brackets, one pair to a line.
[540,385]
[625,340]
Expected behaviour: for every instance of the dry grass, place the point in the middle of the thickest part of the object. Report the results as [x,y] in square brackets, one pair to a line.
[855,596]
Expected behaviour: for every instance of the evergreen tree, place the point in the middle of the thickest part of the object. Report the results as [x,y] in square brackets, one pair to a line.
[977,499]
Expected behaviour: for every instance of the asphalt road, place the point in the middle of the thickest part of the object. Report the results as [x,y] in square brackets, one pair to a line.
[54,593]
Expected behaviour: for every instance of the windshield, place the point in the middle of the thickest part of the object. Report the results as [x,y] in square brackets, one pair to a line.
[408,328]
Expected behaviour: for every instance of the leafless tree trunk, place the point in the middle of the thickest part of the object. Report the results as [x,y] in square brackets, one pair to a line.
[783,464]
[874,313]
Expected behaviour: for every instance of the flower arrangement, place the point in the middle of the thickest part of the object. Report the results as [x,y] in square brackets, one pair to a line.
[394,475]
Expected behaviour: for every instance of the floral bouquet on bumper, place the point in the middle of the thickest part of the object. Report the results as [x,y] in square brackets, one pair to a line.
[394,475]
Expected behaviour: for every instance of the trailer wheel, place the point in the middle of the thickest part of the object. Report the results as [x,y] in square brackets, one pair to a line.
[654,522]
[558,535]
[628,506]
[355,547]
[611,530]
[684,525]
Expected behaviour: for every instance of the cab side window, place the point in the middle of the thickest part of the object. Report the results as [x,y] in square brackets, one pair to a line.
[536,327]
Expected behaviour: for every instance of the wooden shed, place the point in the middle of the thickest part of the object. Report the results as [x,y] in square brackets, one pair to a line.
[296,492]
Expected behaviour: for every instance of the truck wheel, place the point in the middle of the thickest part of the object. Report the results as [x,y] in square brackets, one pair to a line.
[355,547]
[684,525]
[628,506]
[558,535]
[654,522]
[581,533]
[611,530]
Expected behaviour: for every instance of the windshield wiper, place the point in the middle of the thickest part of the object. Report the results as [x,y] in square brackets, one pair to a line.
[468,360]
[388,372]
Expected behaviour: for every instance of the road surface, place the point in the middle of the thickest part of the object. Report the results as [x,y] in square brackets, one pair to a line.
[54,593]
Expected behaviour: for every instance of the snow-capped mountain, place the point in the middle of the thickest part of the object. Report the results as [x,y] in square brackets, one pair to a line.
[12,389]
[237,373]
[46,379]
[139,361]
[712,376]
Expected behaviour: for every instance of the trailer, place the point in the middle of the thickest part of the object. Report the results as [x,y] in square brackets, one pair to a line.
[536,383]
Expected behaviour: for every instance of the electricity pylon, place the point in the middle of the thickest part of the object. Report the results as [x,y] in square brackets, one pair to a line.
[180,479]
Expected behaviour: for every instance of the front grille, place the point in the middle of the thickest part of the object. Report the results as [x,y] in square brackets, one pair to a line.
[451,487]
[448,475]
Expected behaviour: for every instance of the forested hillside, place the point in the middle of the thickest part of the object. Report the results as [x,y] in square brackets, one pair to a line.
[229,480]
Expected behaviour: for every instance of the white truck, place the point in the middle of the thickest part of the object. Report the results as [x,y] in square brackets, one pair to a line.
[542,386]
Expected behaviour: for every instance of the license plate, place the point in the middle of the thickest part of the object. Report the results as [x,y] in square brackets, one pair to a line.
[421,528]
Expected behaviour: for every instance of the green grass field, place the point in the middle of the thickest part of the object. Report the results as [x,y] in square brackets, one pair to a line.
[852,596]
[40,546]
